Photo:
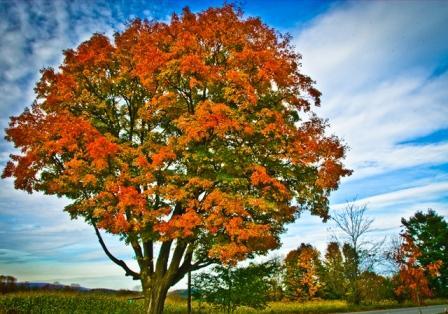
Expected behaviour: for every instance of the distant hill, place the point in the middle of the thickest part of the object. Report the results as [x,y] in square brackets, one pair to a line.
[179,293]
[48,286]
[73,287]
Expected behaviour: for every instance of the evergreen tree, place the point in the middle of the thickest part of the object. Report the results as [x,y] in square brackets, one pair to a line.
[429,231]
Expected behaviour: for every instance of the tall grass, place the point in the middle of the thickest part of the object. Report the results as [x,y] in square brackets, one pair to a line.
[60,302]
[73,302]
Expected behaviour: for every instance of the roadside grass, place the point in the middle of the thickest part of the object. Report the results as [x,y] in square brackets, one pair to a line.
[82,302]
[328,306]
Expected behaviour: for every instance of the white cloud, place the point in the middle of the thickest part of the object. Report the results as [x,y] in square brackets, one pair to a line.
[389,221]
[386,210]
[374,63]
[414,194]
[33,35]
[38,240]
[360,41]
[90,275]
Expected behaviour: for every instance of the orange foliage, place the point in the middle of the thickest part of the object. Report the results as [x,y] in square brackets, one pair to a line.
[182,130]
[413,277]
[301,279]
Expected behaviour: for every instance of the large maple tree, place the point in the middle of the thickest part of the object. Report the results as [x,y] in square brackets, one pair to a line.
[193,140]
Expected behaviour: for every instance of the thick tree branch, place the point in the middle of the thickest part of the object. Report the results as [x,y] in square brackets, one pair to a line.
[119,262]
[183,269]
[181,246]
[186,267]
[188,256]
[164,255]
[199,265]
[148,251]
[142,262]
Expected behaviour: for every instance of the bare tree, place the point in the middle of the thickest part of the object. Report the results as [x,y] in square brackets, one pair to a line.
[352,221]
[391,250]
[361,254]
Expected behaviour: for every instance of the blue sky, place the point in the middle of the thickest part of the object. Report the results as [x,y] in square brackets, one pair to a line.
[381,66]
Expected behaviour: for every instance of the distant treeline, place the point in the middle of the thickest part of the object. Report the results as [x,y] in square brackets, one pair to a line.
[413,266]
[10,284]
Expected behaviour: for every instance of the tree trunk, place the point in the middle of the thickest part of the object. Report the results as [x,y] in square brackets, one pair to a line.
[155,297]
[158,280]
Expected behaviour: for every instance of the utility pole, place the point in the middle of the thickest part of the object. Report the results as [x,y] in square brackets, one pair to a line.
[189,293]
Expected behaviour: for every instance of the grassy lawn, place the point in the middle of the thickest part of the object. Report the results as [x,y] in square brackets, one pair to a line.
[326,306]
[69,302]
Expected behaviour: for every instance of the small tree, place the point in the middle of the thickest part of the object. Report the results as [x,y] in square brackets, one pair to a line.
[228,288]
[429,232]
[352,272]
[301,273]
[412,276]
[7,284]
[360,254]
[333,274]
[374,288]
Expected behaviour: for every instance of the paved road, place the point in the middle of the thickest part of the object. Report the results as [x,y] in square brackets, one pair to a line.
[434,309]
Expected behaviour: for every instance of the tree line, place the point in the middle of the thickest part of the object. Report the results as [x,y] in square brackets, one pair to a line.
[7,284]
[412,267]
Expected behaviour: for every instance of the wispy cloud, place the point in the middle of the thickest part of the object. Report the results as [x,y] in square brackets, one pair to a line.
[386,210]
[414,194]
[33,35]
[375,63]
[91,274]
[34,231]
[381,66]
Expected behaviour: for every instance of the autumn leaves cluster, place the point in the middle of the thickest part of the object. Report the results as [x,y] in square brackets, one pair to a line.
[413,267]
[198,129]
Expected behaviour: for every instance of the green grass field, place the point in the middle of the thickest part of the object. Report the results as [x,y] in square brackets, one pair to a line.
[70,302]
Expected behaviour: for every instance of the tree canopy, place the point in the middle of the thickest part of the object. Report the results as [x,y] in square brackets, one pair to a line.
[301,272]
[197,134]
[412,276]
[333,272]
[429,233]
[231,287]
